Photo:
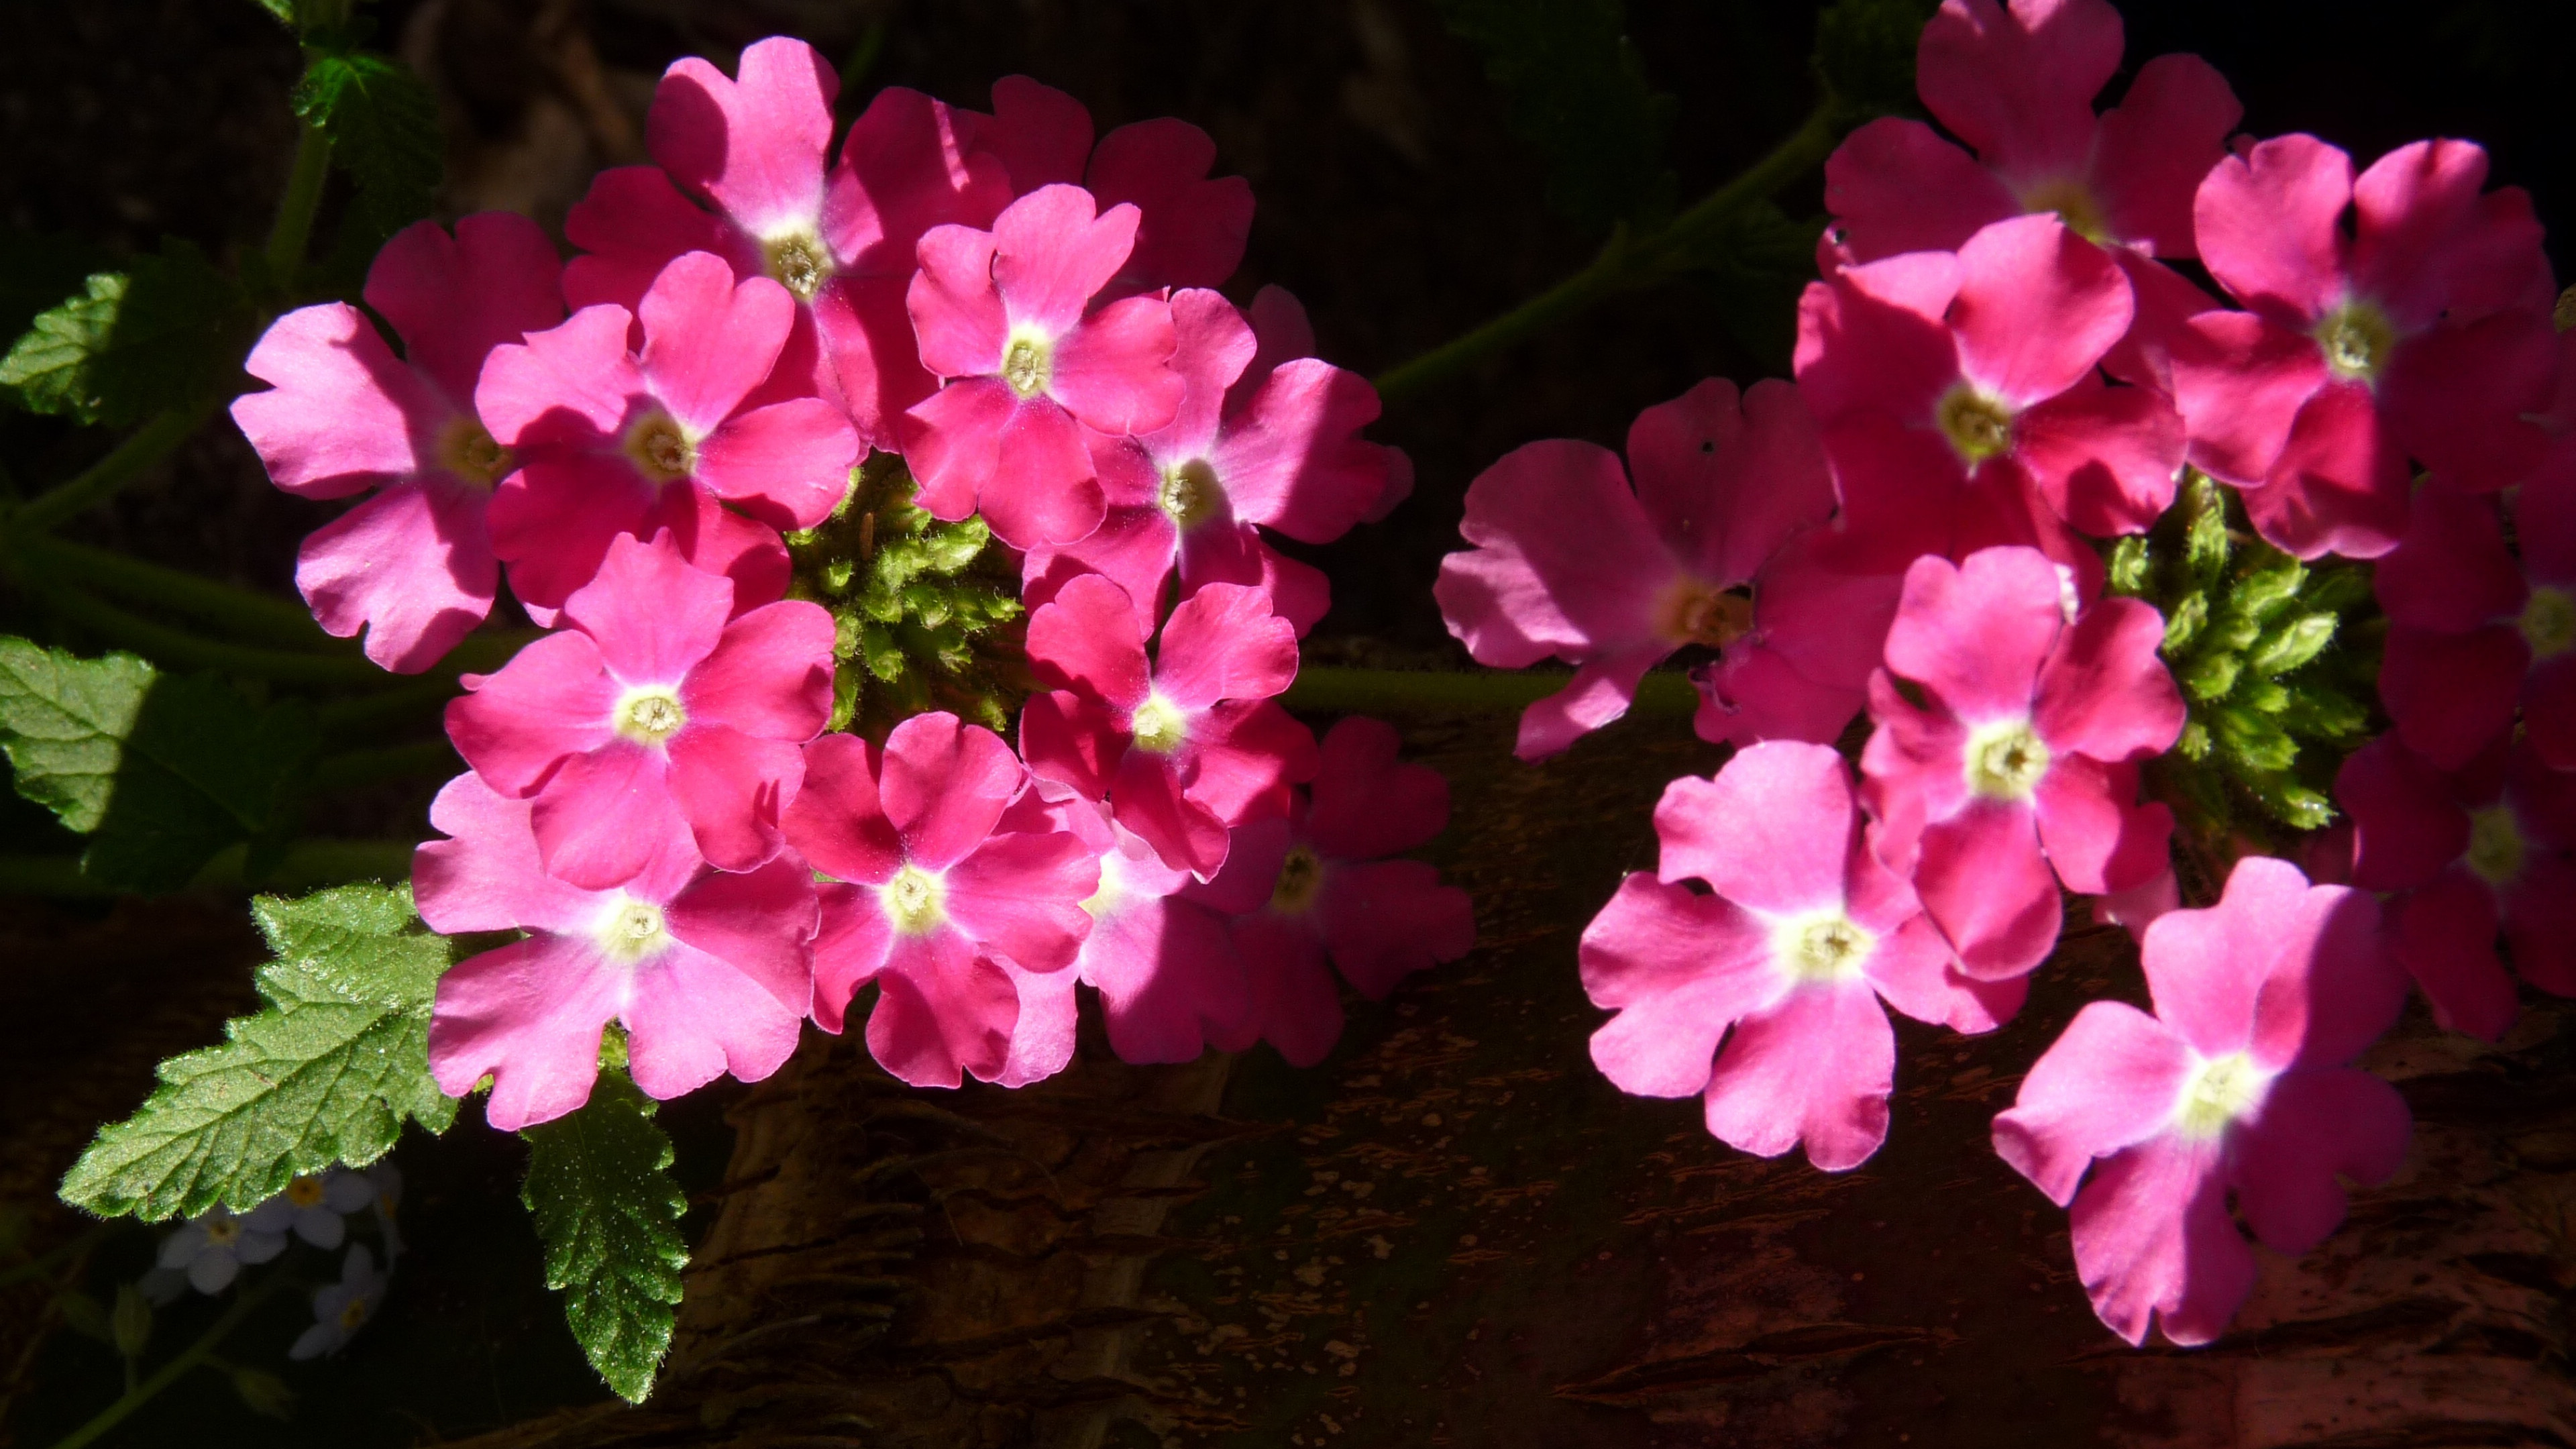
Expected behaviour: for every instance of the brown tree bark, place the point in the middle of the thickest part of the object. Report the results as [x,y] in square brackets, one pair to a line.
[1454,1232]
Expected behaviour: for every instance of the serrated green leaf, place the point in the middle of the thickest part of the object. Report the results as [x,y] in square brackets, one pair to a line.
[160,771]
[600,1188]
[326,1074]
[132,343]
[1579,97]
[383,125]
[38,271]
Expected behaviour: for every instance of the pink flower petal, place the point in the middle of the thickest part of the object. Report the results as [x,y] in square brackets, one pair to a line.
[2018,84]
[1914,971]
[2406,827]
[1874,338]
[1053,251]
[851,942]
[1041,488]
[553,699]
[944,784]
[1042,1039]
[2540,924]
[603,816]
[730,786]
[1599,693]
[1773,831]
[1976,634]
[2105,457]
[653,616]
[1895,186]
[1072,739]
[2339,485]
[1113,372]
[904,169]
[528,1015]
[1133,548]
[1296,1007]
[1645,952]
[2452,695]
[343,415]
[709,341]
[571,385]
[412,566]
[2444,934]
[1039,133]
[2153,1240]
[1292,458]
[453,299]
[760,924]
[753,147]
[787,464]
[2240,383]
[1815,1068]
[1532,585]
[2104,691]
[1193,229]
[836,819]
[1223,642]
[2269,227]
[695,1018]
[1383,920]
[485,876]
[2424,245]
[2037,307]
[629,225]
[2451,571]
[1168,976]
[942,1011]
[1368,803]
[770,673]
[2100,840]
[1243,757]
[1755,693]
[1088,639]
[1149,800]
[1984,882]
[959,318]
[2108,1083]
[1726,481]
[2150,153]
[1019,897]
[2459,398]
[2314,1126]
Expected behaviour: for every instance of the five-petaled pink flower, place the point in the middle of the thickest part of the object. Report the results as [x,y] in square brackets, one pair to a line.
[1002,317]
[651,718]
[1962,404]
[930,902]
[1184,746]
[1280,449]
[1787,961]
[1569,560]
[2018,767]
[2491,844]
[2018,85]
[413,565]
[2422,332]
[710,972]
[2472,633]
[2237,1083]
[742,175]
[610,442]
[1315,886]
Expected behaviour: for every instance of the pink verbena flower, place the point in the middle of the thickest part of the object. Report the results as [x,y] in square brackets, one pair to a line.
[2422,332]
[1801,669]
[1570,561]
[709,972]
[613,442]
[2238,1084]
[1001,317]
[1961,401]
[1787,961]
[1184,746]
[1286,455]
[2472,632]
[1191,228]
[650,718]
[413,565]
[2017,770]
[2018,85]
[2491,844]
[930,902]
[741,174]
[1315,886]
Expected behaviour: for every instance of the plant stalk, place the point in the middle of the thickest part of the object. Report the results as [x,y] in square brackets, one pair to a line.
[174,647]
[308,863]
[141,449]
[293,228]
[245,613]
[170,1373]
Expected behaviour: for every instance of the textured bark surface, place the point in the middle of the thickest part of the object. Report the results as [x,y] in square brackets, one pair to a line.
[1454,1232]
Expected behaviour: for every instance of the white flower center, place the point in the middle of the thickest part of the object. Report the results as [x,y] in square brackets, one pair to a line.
[913,901]
[2357,338]
[2005,760]
[660,448]
[1028,365]
[1189,492]
[1159,725]
[2217,1092]
[1978,427]
[2548,621]
[1824,947]
[799,262]
[649,714]
[630,930]
[1301,875]
[2495,845]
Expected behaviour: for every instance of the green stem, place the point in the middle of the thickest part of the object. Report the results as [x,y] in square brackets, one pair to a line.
[1416,691]
[141,449]
[389,762]
[170,646]
[309,863]
[1625,263]
[250,615]
[294,225]
[177,1368]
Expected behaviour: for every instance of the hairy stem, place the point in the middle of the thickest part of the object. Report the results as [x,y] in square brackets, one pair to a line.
[1626,262]
[306,864]
[1416,691]
[294,225]
[245,613]
[141,449]
[177,1368]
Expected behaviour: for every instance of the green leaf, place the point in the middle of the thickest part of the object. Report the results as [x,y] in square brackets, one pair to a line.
[37,271]
[133,343]
[600,1188]
[326,1074]
[383,125]
[1579,97]
[282,10]
[161,772]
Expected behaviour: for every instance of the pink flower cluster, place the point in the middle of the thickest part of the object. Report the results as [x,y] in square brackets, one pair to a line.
[2001,370]
[654,806]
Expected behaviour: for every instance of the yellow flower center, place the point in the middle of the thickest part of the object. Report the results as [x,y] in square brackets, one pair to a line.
[223,1230]
[912,901]
[1978,427]
[1822,948]
[1698,613]
[1301,875]
[1189,492]
[632,930]
[304,1191]
[2357,338]
[2006,760]
[2219,1091]
[650,715]
[1158,725]
[799,262]
[2549,621]
[2495,845]
[354,1316]
[661,450]
[467,451]
[2074,204]
[1028,364]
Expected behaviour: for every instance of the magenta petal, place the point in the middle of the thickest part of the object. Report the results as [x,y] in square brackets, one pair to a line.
[553,699]
[1895,186]
[2105,457]
[2459,398]
[709,341]
[486,877]
[1533,586]
[2099,839]
[2105,692]
[1292,458]
[2406,827]
[1725,480]
[1133,548]
[1873,338]
[787,464]
[2269,227]
[1072,740]
[1193,229]
[1113,372]
[1773,831]
[2451,572]
[2018,84]
[944,785]
[1296,1006]
[1756,694]
[2109,1082]
[1976,635]
[1914,971]
[1089,638]
[412,566]
[652,614]
[552,521]
[942,1011]
[452,300]
[770,673]
[958,319]
[2424,244]
[1383,920]
[2153,1238]
[1167,974]
[760,923]
[2540,924]
[1020,897]
[528,1015]
[605,815]
[1042,1036]
[1366,802]
[2549,711]
[730,787]
[2444,934]
[1223,642]
[1245,756]
[1816,1067]
[1041,489]
[851,943]
[754,146]
[2313,1127]
[695,1018]
[1040,134]
[343,414]
[2150,153]
[1985,883]
[2240,383]
[2037,307]
[2340,484]
[836,819]
[905,168]
[629,225]
[1652,940]
[1053,250]
[1150,801]
[2452,695]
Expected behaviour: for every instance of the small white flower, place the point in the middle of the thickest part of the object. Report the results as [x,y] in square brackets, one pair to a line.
[340,1310]
[314,1203]
[212,1246]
